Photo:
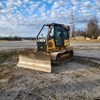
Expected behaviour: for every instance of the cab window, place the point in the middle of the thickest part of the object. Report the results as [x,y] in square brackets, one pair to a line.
[52,32]
[66,32]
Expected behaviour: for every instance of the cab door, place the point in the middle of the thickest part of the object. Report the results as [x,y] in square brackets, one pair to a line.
[58,36]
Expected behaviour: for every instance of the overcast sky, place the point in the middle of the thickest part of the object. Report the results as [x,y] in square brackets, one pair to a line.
[25,17]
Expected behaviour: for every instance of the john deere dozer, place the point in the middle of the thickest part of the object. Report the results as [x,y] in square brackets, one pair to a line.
[54,48]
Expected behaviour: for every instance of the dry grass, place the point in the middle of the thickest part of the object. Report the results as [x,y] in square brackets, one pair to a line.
[4,41]
[83,41]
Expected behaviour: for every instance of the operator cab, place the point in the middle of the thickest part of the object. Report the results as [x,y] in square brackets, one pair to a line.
[58,32]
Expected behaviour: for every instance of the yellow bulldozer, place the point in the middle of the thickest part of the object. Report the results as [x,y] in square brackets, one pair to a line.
[54,48]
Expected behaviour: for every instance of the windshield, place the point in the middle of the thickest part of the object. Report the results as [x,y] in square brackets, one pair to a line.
[44,32]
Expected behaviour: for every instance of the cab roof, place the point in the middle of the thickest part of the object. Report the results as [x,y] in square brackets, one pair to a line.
[56,24]
[52,24]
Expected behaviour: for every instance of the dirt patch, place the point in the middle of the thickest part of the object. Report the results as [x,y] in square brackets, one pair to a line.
[69,81]
[5,56]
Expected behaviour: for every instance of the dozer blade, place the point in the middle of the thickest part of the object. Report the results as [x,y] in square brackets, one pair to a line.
[35,60]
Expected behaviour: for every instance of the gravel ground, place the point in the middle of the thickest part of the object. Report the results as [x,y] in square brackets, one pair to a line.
[68,81]
[88,53]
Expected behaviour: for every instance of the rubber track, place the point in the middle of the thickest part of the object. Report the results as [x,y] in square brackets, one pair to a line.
[87,61]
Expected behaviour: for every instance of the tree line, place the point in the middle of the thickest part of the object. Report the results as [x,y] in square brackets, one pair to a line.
[10,38]
[92,31]
[16,38]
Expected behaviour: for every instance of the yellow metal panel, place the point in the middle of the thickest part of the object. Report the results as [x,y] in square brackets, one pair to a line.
[51,45]
[66,43]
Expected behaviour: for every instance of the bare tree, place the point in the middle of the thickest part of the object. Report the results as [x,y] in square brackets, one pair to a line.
[93,28]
